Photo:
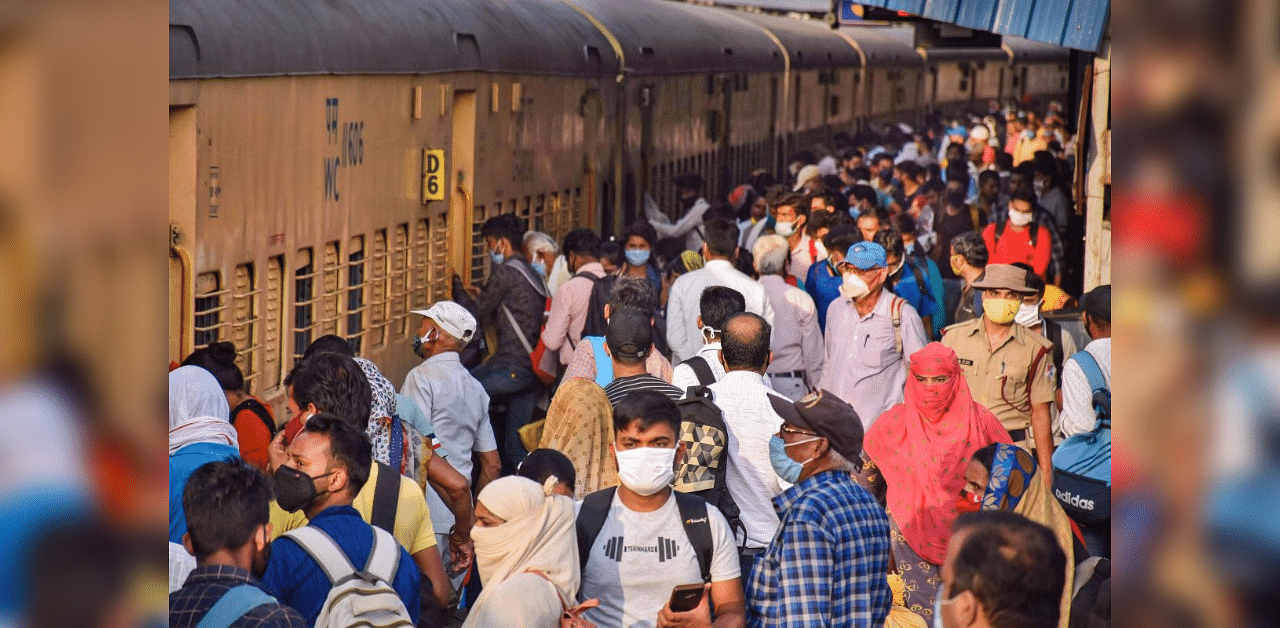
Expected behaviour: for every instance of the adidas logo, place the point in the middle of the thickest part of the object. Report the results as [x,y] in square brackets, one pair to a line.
[1074,500]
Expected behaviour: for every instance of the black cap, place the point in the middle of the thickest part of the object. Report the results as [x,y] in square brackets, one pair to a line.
[1097,303]
[630,334]
[827,416]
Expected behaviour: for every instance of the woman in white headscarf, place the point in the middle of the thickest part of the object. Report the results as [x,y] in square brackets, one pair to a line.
[527,555]
[199,431]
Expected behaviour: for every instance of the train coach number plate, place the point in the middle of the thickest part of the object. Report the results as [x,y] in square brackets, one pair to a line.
[432,175]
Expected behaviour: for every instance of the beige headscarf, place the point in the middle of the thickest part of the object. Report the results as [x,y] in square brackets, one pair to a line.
[539,535]
[580,426]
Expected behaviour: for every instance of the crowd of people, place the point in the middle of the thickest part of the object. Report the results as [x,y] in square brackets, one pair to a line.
[833,400]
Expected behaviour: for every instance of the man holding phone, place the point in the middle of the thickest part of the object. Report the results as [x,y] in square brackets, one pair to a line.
[827,564]
[655,558]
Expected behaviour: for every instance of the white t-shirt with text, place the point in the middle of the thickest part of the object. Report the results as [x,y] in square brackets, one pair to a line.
[640,556]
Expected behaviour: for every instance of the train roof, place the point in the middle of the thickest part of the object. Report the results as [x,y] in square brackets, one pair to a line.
[811,44]
[885,46]
[663,37]
[231,38]
[1029,51]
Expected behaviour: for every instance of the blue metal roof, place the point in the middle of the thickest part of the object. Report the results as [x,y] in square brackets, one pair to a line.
[1075,24]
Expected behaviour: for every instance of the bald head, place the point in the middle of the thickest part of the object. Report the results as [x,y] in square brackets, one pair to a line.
[745,343]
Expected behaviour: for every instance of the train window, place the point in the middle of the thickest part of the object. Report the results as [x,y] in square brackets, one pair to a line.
[356,267]
[379,293]
[479,256]
[209,308]
[517,97]
[713,125]
[711,84]
[835,105]
[495,96]
[273,290]
[331,297]
[526,208]
[303,302]
[537,213]
[399,314]
[421,264]
[440,284]
[244,322]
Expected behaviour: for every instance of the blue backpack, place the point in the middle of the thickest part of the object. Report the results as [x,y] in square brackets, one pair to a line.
[233,605]
[1082,463]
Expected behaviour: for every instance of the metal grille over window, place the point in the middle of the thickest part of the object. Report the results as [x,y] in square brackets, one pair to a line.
[380,292]
[355,293]
[273,289]
[303,303]
[244,323]
[422,257]
[400,280]
[209,308]
[331,298]
[478,253]
[440,280]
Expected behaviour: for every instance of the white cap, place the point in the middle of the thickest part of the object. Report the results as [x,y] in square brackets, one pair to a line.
[980,132]
[807,174]
[454,319]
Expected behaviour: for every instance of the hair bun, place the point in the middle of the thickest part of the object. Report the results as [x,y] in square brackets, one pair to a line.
[224,352]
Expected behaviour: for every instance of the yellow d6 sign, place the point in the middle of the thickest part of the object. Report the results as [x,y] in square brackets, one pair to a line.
[432,175]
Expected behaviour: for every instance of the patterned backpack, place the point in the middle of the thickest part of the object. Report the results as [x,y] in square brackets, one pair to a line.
[705,466]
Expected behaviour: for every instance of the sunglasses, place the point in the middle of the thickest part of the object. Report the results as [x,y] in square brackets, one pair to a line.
[789,430]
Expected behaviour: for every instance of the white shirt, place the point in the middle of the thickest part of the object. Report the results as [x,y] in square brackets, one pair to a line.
[797,343]
[689,225]
[181,564]
[1077,415]
[640,556]
[683,304]
[459,411]
[683,375]
[743,396]
[806,253]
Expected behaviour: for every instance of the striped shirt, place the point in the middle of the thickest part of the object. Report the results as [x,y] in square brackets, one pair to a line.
[826,566]
[623,386]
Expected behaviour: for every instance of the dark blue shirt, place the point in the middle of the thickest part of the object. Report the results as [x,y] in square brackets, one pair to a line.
[206,585]
[823,284]
[928,306]
[182,464]
[294,578]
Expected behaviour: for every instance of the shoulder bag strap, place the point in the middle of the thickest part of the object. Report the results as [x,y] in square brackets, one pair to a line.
[324,551]
[386,496]
[511,318]
[519,267]
[384,557]
[702,368]
[233,605]
[591,516]
[697,526]
[1092,372]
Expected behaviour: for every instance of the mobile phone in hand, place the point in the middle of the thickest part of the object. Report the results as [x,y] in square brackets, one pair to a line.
[686,597]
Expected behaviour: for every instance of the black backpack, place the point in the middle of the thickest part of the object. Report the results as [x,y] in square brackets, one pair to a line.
[601,290]
[256,407]
[693,514]
[702,369]
[386,497]
[705,467]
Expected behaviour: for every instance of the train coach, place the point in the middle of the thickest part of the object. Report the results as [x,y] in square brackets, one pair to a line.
[330,163]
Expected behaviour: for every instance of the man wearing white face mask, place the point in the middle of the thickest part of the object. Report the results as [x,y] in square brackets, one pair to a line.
[792,216]
[640,540]
[870,334]
[715,306]
[1030,316]
[1021,238]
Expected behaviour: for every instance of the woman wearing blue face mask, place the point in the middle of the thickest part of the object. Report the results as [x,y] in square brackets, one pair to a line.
[637,243]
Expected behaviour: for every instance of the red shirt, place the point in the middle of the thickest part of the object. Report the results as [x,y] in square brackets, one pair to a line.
[1015,246]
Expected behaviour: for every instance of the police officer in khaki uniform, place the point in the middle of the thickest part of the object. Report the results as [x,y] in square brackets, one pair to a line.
[1009,368]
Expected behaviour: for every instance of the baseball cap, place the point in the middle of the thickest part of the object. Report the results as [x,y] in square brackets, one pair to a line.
[454,319]
[980,132]
[630,334]
[828,416]
[807,174]
[866,255]
[1003,276]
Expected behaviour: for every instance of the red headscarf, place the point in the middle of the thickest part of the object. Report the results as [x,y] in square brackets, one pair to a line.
[922,447]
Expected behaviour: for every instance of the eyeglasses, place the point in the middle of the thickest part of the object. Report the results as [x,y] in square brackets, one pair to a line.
[787,430]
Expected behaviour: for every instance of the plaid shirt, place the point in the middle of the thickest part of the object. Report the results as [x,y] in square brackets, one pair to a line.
[206,585]
[827,565]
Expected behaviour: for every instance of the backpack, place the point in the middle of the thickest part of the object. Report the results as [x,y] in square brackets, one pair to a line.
[362,597]
[702,369]
[234,604]
[1082,463]
[693,514]
[256,407]
[601,290]
[705,467]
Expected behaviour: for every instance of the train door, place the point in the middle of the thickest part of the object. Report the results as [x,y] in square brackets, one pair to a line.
[182,219]
[462,154]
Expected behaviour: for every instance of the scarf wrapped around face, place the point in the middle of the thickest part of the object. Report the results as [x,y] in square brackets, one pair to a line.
[198,410]
[923,445]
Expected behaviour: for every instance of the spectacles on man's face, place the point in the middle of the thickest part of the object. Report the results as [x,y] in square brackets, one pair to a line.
[791,430]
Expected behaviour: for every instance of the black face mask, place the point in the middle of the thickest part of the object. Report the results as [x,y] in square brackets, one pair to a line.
[688,203]
[295,490]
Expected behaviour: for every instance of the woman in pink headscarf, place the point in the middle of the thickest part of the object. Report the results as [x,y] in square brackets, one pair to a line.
[918,451]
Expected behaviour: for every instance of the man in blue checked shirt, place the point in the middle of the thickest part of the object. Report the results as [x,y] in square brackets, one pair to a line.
[827,564]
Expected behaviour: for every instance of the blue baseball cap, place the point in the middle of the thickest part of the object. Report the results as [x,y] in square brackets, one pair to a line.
[866,255]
